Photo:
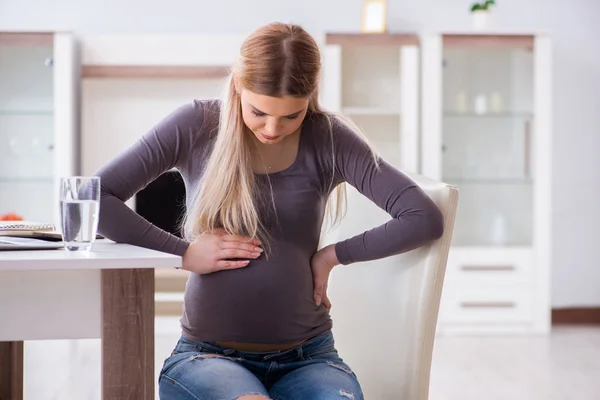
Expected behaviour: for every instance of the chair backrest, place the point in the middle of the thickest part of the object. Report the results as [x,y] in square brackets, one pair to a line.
[385,311]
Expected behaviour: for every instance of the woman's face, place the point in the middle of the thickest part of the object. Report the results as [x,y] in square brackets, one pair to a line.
[271,119]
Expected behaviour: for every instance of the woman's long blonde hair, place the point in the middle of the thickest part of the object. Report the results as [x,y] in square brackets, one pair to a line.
[276,60]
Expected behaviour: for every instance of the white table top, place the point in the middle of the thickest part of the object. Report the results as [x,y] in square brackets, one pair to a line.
[105,254]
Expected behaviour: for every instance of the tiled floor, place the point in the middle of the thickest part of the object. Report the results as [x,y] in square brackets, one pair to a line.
[562,366]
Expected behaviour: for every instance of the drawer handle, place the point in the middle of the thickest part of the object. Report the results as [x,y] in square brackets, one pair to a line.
[481,268]
[489,304]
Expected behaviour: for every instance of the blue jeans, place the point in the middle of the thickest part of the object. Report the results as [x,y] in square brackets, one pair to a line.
[313,370]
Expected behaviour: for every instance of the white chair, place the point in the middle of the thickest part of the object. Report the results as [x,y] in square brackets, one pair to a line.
[385,312]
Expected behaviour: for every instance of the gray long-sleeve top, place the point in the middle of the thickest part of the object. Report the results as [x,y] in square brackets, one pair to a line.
[270,300]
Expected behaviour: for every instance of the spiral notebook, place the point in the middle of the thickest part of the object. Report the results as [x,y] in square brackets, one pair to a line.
[29,229]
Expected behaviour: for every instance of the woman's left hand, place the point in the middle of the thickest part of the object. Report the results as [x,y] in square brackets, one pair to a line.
[322,263]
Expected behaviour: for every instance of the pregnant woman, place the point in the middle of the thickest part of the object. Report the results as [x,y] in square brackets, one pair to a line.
[261,166]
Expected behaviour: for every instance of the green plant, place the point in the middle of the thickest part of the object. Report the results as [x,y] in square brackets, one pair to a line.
[484,6]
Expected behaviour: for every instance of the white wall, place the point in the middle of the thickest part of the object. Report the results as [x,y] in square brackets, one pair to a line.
[573,25]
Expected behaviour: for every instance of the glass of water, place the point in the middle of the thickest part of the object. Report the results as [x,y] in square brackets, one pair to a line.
[79,211]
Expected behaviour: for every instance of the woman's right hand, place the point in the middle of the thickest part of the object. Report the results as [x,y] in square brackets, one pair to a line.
[211,252]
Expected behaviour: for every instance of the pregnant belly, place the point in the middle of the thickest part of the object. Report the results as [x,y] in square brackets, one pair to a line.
[268,301]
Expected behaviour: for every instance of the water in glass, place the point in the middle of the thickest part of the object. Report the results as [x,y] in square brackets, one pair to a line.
[80,208]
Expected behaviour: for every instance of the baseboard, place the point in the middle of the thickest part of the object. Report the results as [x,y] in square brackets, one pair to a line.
[576,316]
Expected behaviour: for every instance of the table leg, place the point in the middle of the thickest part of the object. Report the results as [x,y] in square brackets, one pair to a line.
[128,334]
[11,370]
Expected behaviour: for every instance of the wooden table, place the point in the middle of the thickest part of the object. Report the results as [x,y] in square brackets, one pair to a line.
[107,293]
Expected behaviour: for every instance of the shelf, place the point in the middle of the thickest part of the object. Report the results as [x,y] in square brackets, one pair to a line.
[477,250]
[26,112]
[4,180]
[372,39]
[154,71]
[370,111]
[22,39]
[495,41]
[490,248]
[488,181]
[452,114]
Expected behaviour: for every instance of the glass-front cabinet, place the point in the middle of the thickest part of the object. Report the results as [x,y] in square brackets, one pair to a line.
[373,81]
[487,131]
[486,142]
[37,123]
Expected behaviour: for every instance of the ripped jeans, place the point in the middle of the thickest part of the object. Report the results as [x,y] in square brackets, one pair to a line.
[313,370]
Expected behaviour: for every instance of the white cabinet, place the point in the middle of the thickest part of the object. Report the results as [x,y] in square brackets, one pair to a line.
[486,128]
[374,80]
[38,133]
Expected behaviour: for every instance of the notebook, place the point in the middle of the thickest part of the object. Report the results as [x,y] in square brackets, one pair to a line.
[22,243]
[27,229]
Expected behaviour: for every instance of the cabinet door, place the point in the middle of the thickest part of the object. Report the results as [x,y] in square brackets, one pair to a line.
[490,136]
[37,122]
[27,125]
[487,142]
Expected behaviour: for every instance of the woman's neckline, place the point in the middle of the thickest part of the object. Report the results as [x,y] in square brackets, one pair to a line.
[296,159]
